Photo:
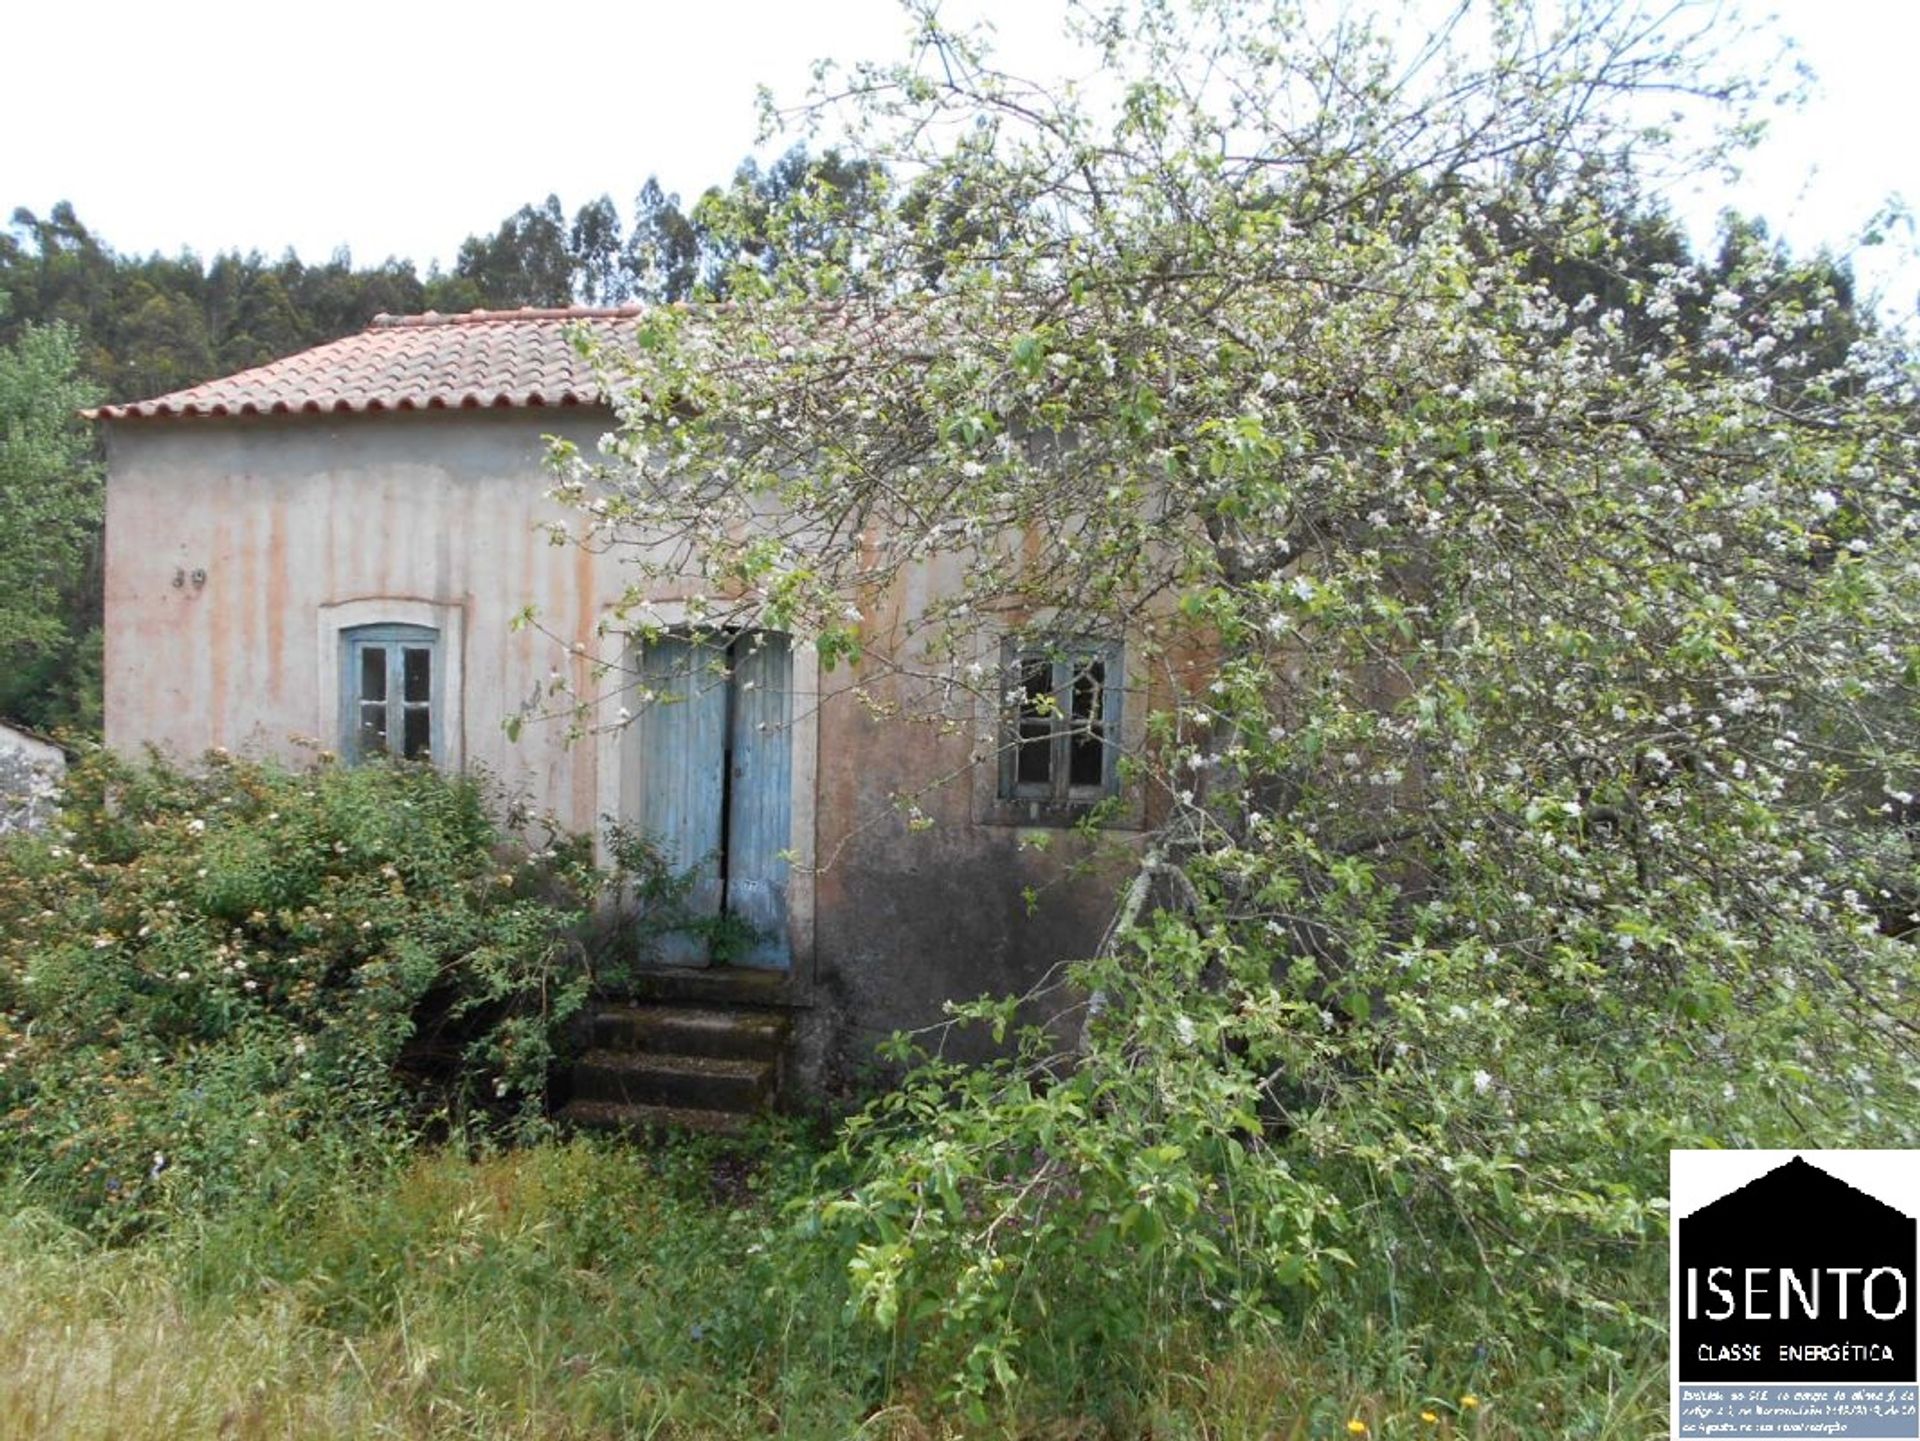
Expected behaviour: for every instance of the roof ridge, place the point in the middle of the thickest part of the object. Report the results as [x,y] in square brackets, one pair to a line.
[386,321]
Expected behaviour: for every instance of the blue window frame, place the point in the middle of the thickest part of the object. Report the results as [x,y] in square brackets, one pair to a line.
[390,692]
[1060,725]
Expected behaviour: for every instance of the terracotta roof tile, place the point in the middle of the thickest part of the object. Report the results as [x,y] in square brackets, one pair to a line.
[489,359]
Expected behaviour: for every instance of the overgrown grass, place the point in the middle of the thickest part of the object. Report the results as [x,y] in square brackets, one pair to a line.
[559,1291]
[593,1291]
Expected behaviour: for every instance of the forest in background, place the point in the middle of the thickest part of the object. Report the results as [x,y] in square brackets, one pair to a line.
[1534,796]
[150,324]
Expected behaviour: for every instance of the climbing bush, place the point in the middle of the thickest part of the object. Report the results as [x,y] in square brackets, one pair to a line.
[208,979]
[1451,1161]
[1038,1220]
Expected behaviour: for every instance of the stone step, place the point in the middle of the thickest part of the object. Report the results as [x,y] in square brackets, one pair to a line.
[714,986]
[719,1083]
[615,1118]
[744,1034]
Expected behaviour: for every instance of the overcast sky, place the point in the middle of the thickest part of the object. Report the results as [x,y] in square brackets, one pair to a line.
[400,127]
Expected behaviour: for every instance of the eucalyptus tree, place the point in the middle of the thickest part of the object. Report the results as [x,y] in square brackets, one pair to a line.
[1536,806]
[525,262]
[801,209]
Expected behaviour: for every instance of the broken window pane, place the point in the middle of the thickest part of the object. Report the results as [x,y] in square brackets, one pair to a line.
[1088,677]
[1058,725]
[1086,756]
[1034,764]
[1036,687]
[1087,761]
[1033,734]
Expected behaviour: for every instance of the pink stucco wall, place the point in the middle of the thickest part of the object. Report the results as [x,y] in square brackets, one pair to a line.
[226,539]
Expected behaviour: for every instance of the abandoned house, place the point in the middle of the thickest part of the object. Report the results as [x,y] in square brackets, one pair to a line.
[333,547]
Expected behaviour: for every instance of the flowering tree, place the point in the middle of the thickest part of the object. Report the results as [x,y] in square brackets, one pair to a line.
[1548,798]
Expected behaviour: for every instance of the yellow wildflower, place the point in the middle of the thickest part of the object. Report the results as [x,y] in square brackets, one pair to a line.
[1356,1427]
[1469,1401]
[1430,1418]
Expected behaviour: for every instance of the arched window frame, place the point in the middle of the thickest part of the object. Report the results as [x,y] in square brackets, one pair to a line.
[338,621]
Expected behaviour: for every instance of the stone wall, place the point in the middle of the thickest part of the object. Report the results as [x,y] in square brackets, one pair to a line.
[30,775]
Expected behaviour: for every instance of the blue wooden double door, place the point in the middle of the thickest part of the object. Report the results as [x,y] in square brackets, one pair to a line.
[717,789]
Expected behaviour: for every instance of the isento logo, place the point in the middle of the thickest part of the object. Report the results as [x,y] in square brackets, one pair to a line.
[1793,1303]
[1795,1276]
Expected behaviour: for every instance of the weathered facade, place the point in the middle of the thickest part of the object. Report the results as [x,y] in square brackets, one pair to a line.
[331,552]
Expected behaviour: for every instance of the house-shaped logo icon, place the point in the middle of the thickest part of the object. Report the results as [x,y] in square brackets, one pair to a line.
[1796,1276]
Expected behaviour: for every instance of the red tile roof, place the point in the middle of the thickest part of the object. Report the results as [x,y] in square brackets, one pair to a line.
[488,359]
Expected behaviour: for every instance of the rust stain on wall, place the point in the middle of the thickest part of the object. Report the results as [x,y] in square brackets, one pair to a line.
[217,598]
[276,597]
[520,643]
[249,600]
[379,552]
[329,555]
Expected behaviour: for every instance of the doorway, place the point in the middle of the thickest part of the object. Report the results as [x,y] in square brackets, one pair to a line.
[716,796]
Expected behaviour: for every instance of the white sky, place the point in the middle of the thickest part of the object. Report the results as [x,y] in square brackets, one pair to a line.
[399,128]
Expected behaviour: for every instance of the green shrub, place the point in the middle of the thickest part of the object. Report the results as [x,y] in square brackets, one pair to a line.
[1450,1176]
[1048,1224]
[209,981]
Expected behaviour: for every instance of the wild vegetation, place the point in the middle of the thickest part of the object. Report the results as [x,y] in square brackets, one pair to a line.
[586,1291]
[220,986]
[50,496]
[272,1047]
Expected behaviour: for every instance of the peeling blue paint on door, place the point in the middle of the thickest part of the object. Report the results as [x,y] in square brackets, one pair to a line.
[760,796]
[717,766]
[683,734]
